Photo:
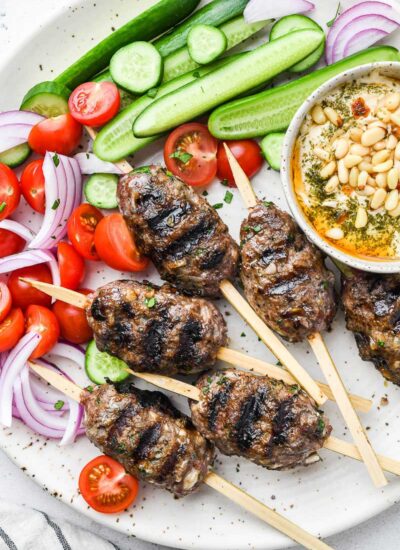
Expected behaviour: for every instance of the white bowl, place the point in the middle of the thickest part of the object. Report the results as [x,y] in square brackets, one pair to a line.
[380,265]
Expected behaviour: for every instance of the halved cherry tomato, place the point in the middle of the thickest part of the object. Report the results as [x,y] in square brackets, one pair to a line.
[115,245]
[60,134]
[43,321]
[10,243]
[191,154]
[72,266]
[73,322]
[94,103]
[5,301]
[32,186]
[248,154]
[11,329]
[81,227]
[106,487]
[23,295]
[10,193]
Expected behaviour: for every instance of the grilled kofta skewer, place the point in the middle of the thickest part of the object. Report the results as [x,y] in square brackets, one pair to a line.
[372,308]
[156,329]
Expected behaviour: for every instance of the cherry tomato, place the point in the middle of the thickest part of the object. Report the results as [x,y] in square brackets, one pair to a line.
[60,134]
[10,193]
[43,321]
[72,320]
[190,153]
[10,243]
[115,245]
[106,487]
[94,103]
[11,329]
[23,295]
[72,266]
[248,154]
[32,186]
[5,301]
[81,227]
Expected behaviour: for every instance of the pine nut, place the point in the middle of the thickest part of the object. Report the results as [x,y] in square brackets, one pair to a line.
[328,170]
[362,180]
[381,180]
[371,181]
[343,172]
[378,199]
[332,185]
[372,136]
[392,101]
[318,115]
[322,154]
[361,218]
[397,152]
[353,177]
[355,134]
[333,116]
[358,149]
[392,200]
[391,142]
[380,145]
[395,118]
[341,148]
[367,166]
[396,212]
[367,192]
[352,160]
[384,167]
[383,114]
[335,233]
[381,156]
[392,178]
[377,124]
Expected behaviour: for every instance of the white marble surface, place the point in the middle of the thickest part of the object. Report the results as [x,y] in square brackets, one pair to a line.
[16,22]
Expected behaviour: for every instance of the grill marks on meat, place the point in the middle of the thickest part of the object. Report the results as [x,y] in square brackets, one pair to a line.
[176,334]
[284,275]
[264,420]
[148,436]
[184,236]
[372,308]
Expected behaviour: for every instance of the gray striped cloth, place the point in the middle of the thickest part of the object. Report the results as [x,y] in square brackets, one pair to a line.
[25,529]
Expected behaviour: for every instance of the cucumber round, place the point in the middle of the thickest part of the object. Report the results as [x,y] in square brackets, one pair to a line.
[15,156]
[291,23]
[271,147]
[48,99]
[137,67]
[100,365]
[101,190]
[206,43]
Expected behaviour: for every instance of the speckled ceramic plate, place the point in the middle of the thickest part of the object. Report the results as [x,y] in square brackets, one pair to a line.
[326,498]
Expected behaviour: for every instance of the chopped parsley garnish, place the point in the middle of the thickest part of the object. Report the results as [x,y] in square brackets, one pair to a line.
[183,156]
[196,74]
[169,174]
[257,228]
[267,203]
[56,204]
[3,206]
[331,22]
[228,197]
[321,425]
[325,285]
[143,170]
[56,159]
[89,389]
[218,205]
[205,193]
[224,182]
[381,343]
[243,335]
[59,405]
[150,302]
[152,92]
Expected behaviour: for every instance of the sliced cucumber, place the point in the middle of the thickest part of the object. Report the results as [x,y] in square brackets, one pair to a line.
[271,146]
[47,98]
[15,156]
[292,23]
[100,365]
[137,67]
[273,110]
[227,82]
[101,190]
[206,43]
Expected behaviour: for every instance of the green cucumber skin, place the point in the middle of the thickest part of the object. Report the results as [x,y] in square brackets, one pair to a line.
[146,26]
[16,156]
[273,110]
[227,82]
[236,31]
[215,13]
[271,147]
[55,104]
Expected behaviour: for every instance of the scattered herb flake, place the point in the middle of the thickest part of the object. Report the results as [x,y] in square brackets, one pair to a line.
[169,174]
[205,193]
[3,206]
[142,170]
[224,182]
[59,405]
[218,205]
[152,92]
[183,156]
[257,228]
[228,197]
[325,285]
[56,159]
[331,22]
[267,203]
[56,204]
[150,302]
[381,343]
[196,74]
[243,335]
[89,389]
[321,425]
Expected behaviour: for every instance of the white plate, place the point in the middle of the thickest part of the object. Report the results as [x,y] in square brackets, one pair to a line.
[326,498]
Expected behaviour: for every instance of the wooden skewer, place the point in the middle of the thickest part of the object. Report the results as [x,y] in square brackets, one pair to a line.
[213,480]
[163,382]
[224,354]
[323,356]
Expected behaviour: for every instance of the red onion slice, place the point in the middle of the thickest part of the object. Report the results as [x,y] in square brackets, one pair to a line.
[89,163]
[20,117]
[28,258]
[15,127]
[362,40]
[261,10]
[71,352]
[74,423]
[17,228]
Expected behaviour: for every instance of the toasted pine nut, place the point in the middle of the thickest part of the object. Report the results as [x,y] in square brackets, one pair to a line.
[365,165]
[353,177]
[377,124]
[335,233]
[333,116]
[391,142]
[395,118]
[392,200]
[392,101]
[321,153]
[381,156]
[355,134]
[343,172]
[397,152]
[378,199]
[392,178]
[384,167]
[383,114]
[352,160]
[341,148]
[372,136]
[371,181]
[328,170]
[332,185]
[367,192]
[361,218]
[380,145]
[358,149]
[381,180]
[396,212]
[362,180]
[318,115]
